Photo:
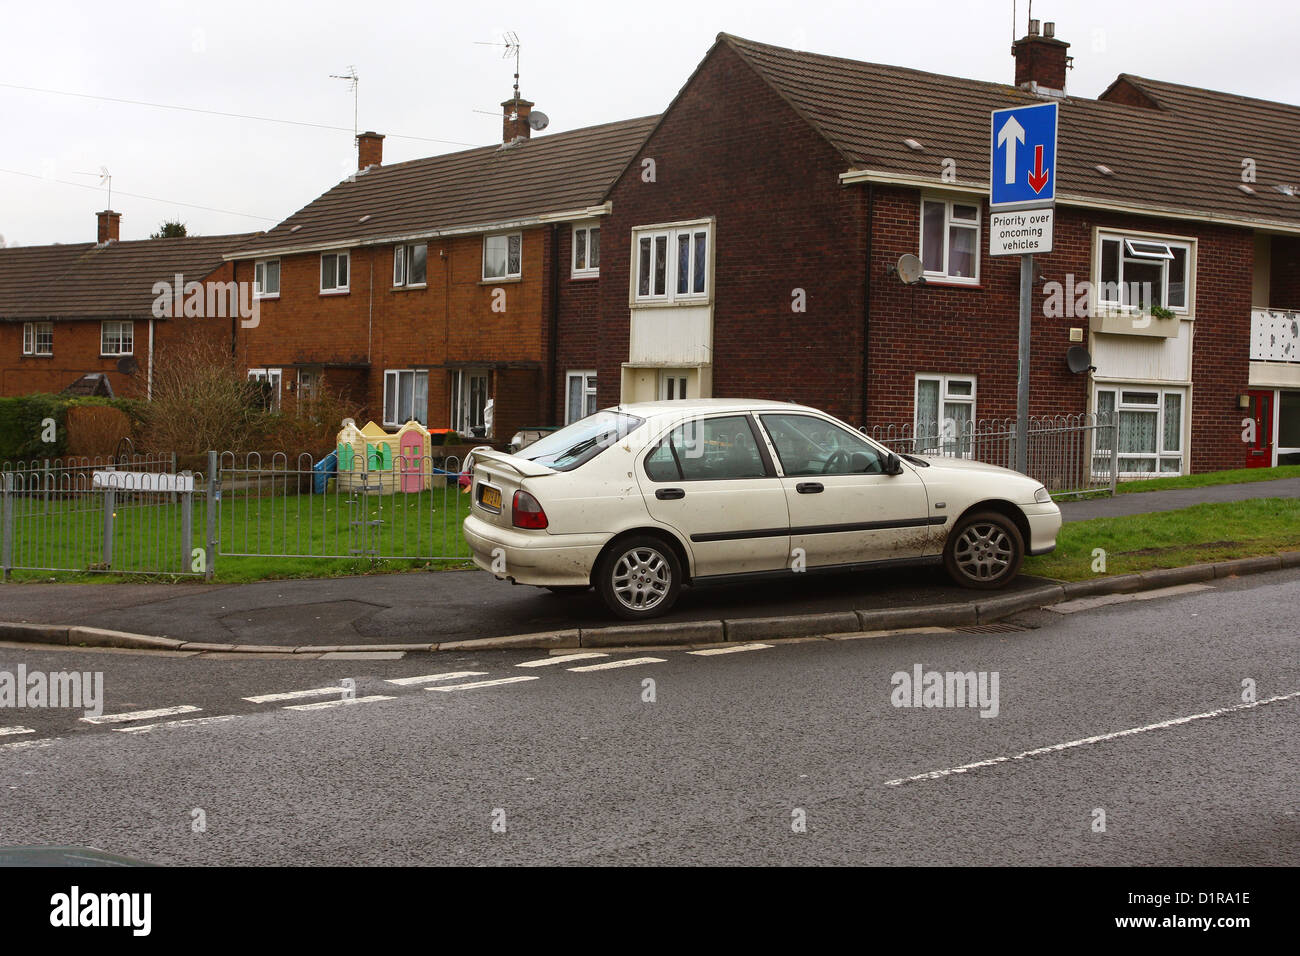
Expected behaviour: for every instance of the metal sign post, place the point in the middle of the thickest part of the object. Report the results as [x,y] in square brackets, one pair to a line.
[1022,367]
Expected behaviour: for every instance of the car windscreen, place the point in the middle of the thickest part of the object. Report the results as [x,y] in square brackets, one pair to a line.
[577,444]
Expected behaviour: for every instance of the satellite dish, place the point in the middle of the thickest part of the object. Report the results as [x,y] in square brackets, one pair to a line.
[538,120]
[1077,357]
[127,365]
[910,269]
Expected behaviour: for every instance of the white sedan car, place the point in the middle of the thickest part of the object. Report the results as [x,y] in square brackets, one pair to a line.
[639,499]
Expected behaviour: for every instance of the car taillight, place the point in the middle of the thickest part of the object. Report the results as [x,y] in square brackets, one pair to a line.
[527,513]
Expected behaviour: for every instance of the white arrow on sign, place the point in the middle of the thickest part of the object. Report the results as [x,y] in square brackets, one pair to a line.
[1011,133]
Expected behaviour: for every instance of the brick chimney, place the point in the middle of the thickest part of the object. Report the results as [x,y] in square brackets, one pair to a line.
[109,226]
[370,149]
[1041,60]
[514,119]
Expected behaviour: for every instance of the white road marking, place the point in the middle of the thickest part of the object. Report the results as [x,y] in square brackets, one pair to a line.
[142,714]
[363,655]
[486,683]
[28,744]
[334,691]
[342,702]
[15,731]
[710,651]
[189,722]
[1084,741]
[432,678]
[626,662]
[561,659]
[1101,600]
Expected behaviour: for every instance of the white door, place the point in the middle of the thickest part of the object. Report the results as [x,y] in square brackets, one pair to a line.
[843,508]
[712,480]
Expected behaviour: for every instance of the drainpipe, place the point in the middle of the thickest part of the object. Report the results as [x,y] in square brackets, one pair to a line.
[148,388]
[866,300]
[555,322]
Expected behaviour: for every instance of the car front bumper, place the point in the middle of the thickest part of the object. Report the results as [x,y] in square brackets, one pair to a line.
[531,557]
[1044,525]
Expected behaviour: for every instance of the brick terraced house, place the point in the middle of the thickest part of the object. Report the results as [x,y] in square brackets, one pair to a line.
[81,317]
[752,242]
[427,289]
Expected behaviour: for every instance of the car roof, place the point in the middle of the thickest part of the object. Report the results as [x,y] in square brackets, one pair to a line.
[691,406]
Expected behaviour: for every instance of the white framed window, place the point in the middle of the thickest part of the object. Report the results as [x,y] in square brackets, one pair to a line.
[945,414]
[1151,426]
[266,278]
[950,240]
[116,338]
[38,338]
[410,265]
[270,380]
[580,392]
[406,396]
[334,272]
[502,256]
[671,264]
[469,397]
[1138,272]
[586,250]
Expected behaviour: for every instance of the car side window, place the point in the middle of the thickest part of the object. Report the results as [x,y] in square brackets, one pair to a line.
[707,449]
[812,446]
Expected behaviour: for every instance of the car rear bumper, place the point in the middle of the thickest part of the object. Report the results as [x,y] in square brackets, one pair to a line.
[1044,526]
[530,557]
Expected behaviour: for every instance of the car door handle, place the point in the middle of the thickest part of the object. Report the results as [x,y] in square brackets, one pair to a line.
[669,494]
[809,488]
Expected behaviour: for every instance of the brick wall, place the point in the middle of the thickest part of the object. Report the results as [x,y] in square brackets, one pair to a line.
[579,325]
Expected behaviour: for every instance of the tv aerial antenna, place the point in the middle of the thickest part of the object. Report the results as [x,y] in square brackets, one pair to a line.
[105,179]
[354,84]
[510,44]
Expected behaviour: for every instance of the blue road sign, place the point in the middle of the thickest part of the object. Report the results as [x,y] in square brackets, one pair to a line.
[1022,156]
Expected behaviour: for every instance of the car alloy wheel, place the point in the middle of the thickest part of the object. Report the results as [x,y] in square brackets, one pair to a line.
[640,577]
[985,551]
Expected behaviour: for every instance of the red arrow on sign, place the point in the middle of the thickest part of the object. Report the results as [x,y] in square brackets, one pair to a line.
[1038,177]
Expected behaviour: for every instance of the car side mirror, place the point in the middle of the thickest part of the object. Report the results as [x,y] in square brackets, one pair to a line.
[893,465]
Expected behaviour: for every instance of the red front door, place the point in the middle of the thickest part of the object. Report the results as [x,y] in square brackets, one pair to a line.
[1259,454]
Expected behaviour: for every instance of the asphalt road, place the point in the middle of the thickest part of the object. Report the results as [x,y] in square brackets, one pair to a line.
[733,751]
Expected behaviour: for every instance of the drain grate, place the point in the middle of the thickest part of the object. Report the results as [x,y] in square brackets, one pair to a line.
[1002,627]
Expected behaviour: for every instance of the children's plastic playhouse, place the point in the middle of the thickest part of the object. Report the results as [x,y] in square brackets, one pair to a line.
[381,462]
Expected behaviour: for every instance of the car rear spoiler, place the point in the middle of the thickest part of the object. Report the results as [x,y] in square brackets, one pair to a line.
[521,466]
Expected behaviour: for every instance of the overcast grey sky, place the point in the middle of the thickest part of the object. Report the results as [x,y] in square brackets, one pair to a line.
[423,75]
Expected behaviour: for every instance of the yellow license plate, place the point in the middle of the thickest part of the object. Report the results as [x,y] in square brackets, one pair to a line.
[490,497]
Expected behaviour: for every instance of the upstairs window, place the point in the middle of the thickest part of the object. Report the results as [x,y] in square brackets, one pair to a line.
[410,265]
[266,279]
[38,338]
[586,250]
[950,240]
[502,256]
[334,272]
[116,338]
[1138,273]
[672,264]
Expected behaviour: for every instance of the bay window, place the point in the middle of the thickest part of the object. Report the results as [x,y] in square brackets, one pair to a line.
[671,264]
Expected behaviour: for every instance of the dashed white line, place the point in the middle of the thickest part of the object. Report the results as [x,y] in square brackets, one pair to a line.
[434,678]
[334,691]
[710,651]
[626,662]
[142,714]
[342,702]
[15,731]
[561,659]
[486,683]
[188,722]
[1084,741]
[28,744]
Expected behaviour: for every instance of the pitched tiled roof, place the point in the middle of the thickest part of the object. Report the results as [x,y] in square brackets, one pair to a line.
[533,178]
[1185,156]
[86,281]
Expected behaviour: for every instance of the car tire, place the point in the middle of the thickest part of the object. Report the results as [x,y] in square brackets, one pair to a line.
[984,551]
[639,577]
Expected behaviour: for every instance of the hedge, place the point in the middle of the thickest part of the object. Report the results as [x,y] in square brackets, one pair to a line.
[22,421]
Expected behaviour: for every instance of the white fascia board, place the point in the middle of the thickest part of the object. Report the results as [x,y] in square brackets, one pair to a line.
[855,176]
[572,215]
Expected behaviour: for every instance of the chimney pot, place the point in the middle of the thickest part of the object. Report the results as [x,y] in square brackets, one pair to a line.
[1041,61]
[1033,28]
[370,149]
[1049,29]
[514,119]
[109,226]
